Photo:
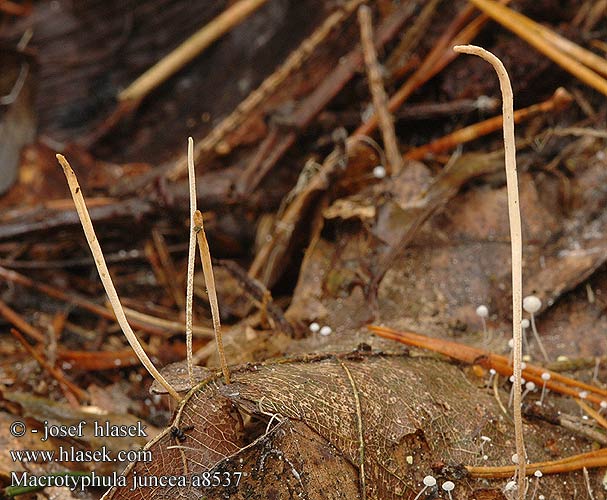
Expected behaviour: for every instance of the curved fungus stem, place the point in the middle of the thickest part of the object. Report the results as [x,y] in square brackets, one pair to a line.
[106,279]
[514,215]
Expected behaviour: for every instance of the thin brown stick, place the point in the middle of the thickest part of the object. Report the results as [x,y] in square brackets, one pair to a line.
[440,55]
[558,100]
[171,326]
[378,93]
[209,279]
[189,49]
[400,58]
[548,43]
[589,460]
[167,267]
[54,372]
[293,62]
[502,365]
[106,279]
[592,412]
[142,321]
[14,8]
[14,318]
[275,248]
[273,148]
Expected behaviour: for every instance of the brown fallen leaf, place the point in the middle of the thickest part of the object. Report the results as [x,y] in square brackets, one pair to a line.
[362,424]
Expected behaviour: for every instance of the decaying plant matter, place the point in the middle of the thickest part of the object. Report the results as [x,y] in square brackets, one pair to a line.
[320,226]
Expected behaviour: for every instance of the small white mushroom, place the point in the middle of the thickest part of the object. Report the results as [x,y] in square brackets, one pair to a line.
[545,378]
[529,387]
[326,330]
[379,172]
[532,305]
[482,312]
[537,475]
[449,486]
[492,374]
[484,441]
[429,482]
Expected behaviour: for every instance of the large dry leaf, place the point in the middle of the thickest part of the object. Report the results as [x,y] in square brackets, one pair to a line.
[357,425]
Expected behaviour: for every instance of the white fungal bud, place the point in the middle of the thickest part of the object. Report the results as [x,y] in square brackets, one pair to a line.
[314,327]
[482,311]
[326,330]
[532,304]
[379,172]
[525,324]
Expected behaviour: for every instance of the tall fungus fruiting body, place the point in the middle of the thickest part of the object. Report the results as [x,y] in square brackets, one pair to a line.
[514,216]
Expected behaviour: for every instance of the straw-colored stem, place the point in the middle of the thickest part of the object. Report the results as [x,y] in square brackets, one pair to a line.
[516,243]
[106,279]
[189,295]
[209,279]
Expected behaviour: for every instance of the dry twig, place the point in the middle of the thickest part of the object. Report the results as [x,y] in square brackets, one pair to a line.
[501,364]
[293,62]
[558,100]
[589,460]
[440,55]
[54,372]
[378,93]
[189,49]
[573,58]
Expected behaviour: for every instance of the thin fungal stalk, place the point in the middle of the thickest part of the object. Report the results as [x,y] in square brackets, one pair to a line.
[516,242]
[189,294]
[106,279]
[209,279]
